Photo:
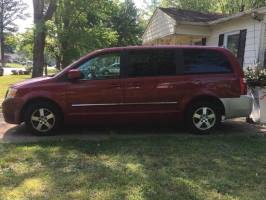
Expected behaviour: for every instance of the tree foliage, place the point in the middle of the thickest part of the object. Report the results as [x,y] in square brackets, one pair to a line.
[125,21]
[224,6]
[151,5]
[82,27]
[11,42]
[199,5]
[10,10]
[25,44]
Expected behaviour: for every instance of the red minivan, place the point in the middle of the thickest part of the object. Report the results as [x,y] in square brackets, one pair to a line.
[198,85]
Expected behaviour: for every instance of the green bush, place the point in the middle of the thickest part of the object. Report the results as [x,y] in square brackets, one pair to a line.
[255,76]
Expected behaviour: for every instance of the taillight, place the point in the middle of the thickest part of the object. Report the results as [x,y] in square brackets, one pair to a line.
[243,86]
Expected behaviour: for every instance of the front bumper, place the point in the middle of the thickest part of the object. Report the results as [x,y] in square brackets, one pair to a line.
[11,110]
[237,107]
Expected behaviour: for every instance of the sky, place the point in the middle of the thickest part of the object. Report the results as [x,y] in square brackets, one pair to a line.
[27,23]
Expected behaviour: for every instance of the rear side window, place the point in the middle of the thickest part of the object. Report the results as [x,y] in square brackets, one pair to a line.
[145,63]
[198,61]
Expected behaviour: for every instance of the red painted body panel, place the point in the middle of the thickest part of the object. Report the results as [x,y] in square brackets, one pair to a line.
[127,98]
[92,92]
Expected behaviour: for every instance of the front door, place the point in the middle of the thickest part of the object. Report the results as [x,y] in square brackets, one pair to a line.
[99,92]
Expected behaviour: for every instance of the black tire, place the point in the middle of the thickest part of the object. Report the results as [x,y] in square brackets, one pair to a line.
[203,117]
[51,115]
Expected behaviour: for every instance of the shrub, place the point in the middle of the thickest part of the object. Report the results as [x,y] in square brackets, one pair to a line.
[255,76]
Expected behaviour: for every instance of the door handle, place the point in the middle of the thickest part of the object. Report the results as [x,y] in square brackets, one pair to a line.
[116,85]
[134,86]
[197,82]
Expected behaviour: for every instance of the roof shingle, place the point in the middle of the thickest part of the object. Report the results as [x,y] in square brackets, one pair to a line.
[191,16]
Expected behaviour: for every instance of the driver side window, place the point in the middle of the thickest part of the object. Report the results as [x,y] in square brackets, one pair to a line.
[101,67]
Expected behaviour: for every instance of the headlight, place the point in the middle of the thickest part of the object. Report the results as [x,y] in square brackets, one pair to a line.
[11,93]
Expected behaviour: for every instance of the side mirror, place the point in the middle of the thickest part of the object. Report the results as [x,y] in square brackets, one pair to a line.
[74,74]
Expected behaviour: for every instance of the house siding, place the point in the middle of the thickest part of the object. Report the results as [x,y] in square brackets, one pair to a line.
[264,42]
[193,30]
[160,26]
[253,38]
[263,47]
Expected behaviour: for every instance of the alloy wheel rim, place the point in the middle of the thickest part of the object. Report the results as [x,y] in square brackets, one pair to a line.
[204,118]
[43,120]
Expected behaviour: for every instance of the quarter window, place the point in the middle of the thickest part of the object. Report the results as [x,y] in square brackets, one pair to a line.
[151,63]
[101,67]
[205,61]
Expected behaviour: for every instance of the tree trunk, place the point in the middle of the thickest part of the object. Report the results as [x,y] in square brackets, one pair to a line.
[65,59]
[64,41]
[40,17]
[46,70]
[58,62]
[2,38]
[38,49]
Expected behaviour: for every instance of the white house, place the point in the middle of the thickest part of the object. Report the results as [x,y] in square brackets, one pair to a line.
[243,33]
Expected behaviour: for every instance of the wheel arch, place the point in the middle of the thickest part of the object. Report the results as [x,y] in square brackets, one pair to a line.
[206,98]
[36,100]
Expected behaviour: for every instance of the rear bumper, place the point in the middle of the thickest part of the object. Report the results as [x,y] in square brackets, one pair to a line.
[237,107]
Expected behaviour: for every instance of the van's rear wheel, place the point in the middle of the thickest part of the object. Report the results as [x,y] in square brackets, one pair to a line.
[43,118]
[203,117]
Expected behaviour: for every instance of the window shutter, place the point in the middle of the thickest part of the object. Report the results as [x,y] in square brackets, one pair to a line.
[264,58]
[242,46]
[203,41]
[221,40]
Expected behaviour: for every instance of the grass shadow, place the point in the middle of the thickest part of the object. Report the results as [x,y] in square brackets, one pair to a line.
[163,167]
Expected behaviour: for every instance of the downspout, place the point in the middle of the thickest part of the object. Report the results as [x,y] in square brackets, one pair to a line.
[255,115]
[263,42]
[261,48]
[261,54]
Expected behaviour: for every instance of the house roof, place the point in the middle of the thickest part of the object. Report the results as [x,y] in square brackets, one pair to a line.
[191,16]
[188,17]
[255,13]
[201,18]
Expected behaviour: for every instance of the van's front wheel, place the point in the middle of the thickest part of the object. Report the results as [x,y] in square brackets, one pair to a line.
[43,118]
[203,117]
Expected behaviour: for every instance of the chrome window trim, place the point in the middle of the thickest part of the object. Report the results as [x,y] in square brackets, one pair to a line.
[124,104]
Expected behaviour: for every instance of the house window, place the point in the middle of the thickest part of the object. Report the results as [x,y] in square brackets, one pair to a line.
[232,42]
[235,42]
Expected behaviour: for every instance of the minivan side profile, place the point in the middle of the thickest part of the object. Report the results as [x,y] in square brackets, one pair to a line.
[198,85]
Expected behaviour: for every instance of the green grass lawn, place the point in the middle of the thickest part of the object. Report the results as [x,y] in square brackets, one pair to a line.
[6,81]
[170,167]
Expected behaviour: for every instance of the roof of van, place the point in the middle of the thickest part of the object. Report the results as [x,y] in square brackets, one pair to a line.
[159,47]
[115,49]
[163,46]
